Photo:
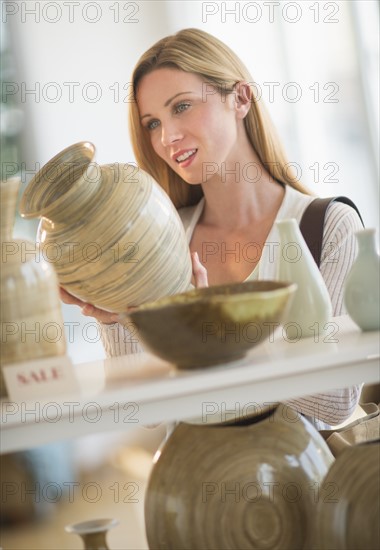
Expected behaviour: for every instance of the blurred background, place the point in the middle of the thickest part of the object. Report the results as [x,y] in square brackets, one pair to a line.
[65,72]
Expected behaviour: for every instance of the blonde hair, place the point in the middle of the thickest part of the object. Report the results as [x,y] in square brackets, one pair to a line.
[195,51]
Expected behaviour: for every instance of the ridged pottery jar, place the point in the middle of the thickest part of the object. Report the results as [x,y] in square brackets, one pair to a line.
[244,485]
[349,501]
[113,235]
[30,313]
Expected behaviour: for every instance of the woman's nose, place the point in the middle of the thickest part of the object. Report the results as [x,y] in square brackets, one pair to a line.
[170,133]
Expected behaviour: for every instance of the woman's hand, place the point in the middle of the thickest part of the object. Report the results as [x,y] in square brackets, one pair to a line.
[199,271]
[89,310]
[108,318]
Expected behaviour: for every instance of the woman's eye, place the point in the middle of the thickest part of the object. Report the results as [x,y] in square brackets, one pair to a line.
[181,107]
[152,124]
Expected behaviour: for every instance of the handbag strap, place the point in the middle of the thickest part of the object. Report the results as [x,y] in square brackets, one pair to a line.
[313,220]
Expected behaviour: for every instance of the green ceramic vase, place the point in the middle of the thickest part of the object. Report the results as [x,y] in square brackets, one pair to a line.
[361,290]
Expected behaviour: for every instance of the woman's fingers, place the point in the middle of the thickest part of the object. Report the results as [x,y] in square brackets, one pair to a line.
[199,271]
[68,298]
[100,314]
[88,309]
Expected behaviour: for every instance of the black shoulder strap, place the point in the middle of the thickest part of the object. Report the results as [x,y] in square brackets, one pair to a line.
[313,220]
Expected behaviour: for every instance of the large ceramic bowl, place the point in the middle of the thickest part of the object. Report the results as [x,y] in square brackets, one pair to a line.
[212,325]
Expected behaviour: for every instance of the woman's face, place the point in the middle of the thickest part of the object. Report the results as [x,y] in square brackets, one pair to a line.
[191,126]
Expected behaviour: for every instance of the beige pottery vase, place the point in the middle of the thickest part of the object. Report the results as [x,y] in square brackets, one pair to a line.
[249,484]
[31,315]
[113,235]
[349,504]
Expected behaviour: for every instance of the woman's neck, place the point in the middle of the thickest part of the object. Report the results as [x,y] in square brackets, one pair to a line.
[242,193]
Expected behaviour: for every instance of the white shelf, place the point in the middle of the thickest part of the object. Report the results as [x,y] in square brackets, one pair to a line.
[123,392]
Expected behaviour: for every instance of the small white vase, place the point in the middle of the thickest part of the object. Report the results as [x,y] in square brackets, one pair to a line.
[361,288]
[311,307]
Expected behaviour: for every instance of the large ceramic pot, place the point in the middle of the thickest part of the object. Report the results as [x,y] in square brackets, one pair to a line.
[349,502]
[113,235]
[249,484]
[30,313]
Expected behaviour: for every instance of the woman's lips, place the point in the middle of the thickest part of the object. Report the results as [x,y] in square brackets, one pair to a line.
[185,158]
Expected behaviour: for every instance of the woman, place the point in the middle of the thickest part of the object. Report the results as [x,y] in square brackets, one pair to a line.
[197,129]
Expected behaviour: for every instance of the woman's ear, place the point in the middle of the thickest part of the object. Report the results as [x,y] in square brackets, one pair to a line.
[243,98]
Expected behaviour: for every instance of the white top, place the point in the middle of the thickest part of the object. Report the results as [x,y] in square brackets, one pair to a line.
[338,253]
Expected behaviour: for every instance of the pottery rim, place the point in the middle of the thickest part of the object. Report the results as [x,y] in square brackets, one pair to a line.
[219,293]
[91,526]
[36,204]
